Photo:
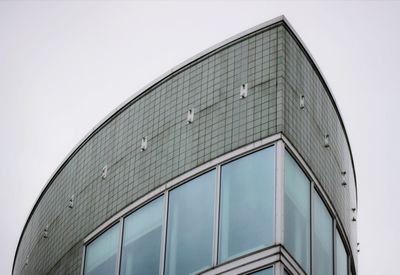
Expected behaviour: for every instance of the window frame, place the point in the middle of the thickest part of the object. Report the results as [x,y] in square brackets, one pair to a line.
[310,205]
[122,220]
[164,190]
[109,226]
[166,221]
[274,206]
[316,192]
[320,191]
[281,143]
[339,232]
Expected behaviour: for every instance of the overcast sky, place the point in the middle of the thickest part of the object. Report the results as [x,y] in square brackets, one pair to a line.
[66,65]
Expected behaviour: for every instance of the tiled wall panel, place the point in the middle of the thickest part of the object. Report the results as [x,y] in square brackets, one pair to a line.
[277,73]
[222,122]
[306,127]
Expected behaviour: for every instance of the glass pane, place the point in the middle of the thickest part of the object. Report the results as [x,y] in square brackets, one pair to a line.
[297,213]
[323,238]
[247,204]
[268,271]
[101,254]
[341,256]
[142,240]
[190,226]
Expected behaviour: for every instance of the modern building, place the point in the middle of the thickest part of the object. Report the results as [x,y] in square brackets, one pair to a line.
[235,162]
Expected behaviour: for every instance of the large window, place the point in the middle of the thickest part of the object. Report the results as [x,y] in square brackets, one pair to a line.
[297,212]
[142,240]
[221,215]
[341,256]
[101,254]
[190,226]
[322,238]
[247,204]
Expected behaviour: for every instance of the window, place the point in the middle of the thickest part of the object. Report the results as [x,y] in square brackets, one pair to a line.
[190,226]
[101,254]
[245,224]
[341,256]
[268,271]
[247,204]
[142,240]
[297,212]
[322,238]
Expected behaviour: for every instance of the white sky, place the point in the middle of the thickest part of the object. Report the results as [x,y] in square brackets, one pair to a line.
[65,65]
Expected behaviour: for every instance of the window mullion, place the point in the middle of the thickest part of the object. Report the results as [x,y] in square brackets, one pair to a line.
[164,232]
[216,216]
[334,246]
[312,193]
[279,192]
[83,259]
[119,252]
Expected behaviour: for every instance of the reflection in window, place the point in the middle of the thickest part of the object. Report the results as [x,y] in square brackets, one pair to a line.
[341,256]
[297,213]
[190,226]
[247,204]
[101,254]
[322,240]
[142,240]
[268,271]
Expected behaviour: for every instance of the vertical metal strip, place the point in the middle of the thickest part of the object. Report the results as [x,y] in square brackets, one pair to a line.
[279,192]
[349,264]
[164,232]
[83,259]
[214,261]
[279,268]
[312,194]
[334,246]
[119,252]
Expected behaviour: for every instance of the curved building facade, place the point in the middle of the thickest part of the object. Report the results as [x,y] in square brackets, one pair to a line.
[235,162]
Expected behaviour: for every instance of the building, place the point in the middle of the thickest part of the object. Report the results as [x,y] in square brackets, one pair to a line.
[235,162]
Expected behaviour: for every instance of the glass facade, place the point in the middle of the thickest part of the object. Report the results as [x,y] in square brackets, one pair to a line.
[142,240]
[190,226]
[101,254]
[196,238]
[268,271]
[247,204]
[297,212]
[322,238]
[340,255]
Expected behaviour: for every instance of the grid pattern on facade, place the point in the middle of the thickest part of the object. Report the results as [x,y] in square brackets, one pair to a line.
[222,123]
[276,72]
[306,127]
